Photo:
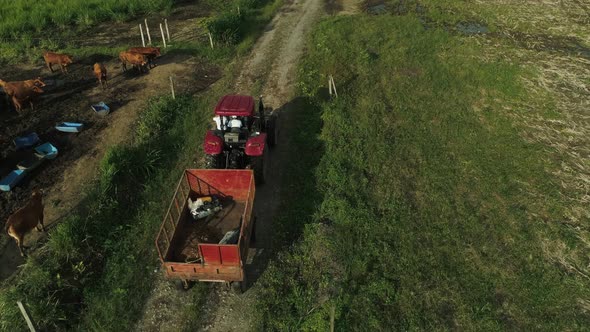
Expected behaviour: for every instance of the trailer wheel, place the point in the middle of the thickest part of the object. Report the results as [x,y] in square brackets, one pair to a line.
[212,161]
[236,287]
[184,284]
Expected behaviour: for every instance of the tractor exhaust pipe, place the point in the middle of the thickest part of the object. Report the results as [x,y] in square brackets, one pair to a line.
[261,112]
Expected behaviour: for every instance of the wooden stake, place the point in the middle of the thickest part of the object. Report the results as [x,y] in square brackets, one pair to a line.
[172,87]
[332,314]
[24,312]
[147,30]
[330,84]
[163,38]
[167,31]
[334,86]
[210,39]
[238,10]
[142,39]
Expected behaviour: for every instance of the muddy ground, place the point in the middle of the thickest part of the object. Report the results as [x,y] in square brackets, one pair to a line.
[69,97]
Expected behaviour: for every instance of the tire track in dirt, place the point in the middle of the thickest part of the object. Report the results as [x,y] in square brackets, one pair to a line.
[281,46]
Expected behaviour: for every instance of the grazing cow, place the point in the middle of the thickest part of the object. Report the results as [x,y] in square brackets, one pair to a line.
[136,59]
[150,52]
[25,219]
[100,71]
[23,91]
[63,60]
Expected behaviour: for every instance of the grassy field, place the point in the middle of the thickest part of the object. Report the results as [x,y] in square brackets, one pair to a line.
[448,197]
[27,26]
[97,268]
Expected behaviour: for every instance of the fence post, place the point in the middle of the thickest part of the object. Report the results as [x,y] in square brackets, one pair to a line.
[334,86]
[332,314]
[142,39]
[210,39]
[163,38]
[167,31]
[27,319]
[147,30]
[330,84]
[172,87]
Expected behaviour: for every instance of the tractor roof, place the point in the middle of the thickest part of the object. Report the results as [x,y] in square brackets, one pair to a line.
[235,105]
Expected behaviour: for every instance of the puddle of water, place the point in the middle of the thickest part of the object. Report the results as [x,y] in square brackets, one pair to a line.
[472,28]
[377,9]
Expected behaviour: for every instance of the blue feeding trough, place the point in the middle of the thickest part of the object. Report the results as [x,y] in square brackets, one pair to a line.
[25,141]
[12,179]
[70,127]
[46,151]
[101,108]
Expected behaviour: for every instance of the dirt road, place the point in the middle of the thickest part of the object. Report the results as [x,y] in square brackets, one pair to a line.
[272,68]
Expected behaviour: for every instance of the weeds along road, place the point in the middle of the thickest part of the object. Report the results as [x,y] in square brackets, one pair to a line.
[270,69]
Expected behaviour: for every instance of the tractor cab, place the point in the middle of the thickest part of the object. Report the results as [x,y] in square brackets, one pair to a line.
[241,134]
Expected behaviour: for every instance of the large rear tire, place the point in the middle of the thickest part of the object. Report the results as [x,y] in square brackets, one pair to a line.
[212,161]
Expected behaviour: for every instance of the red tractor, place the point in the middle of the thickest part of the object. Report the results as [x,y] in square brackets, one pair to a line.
[241,135]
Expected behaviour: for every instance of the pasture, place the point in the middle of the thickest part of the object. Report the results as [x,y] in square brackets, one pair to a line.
[453,181]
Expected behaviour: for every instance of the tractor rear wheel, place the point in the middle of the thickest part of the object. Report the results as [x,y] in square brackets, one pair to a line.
[212,161]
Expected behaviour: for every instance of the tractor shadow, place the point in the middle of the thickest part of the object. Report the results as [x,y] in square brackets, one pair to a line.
[287,200]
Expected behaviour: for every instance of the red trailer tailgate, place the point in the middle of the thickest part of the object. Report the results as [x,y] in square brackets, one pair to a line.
[220,254]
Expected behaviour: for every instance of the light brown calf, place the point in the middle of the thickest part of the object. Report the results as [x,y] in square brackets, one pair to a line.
[25,219]
[23,91]
[63,60]
[133,58]
[30,96]
[100,71]
[149,52]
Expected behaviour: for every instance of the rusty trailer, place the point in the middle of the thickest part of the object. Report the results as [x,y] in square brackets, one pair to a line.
[190,250]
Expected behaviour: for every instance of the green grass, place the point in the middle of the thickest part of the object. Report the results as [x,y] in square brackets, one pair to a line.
[25,16]
[28,26]
[436,213]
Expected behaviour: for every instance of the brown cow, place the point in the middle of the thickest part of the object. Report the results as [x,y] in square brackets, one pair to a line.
[31,95]
[25,219]
[150,52]
[63,60]
[136,59]
[23,91]
[100,71]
